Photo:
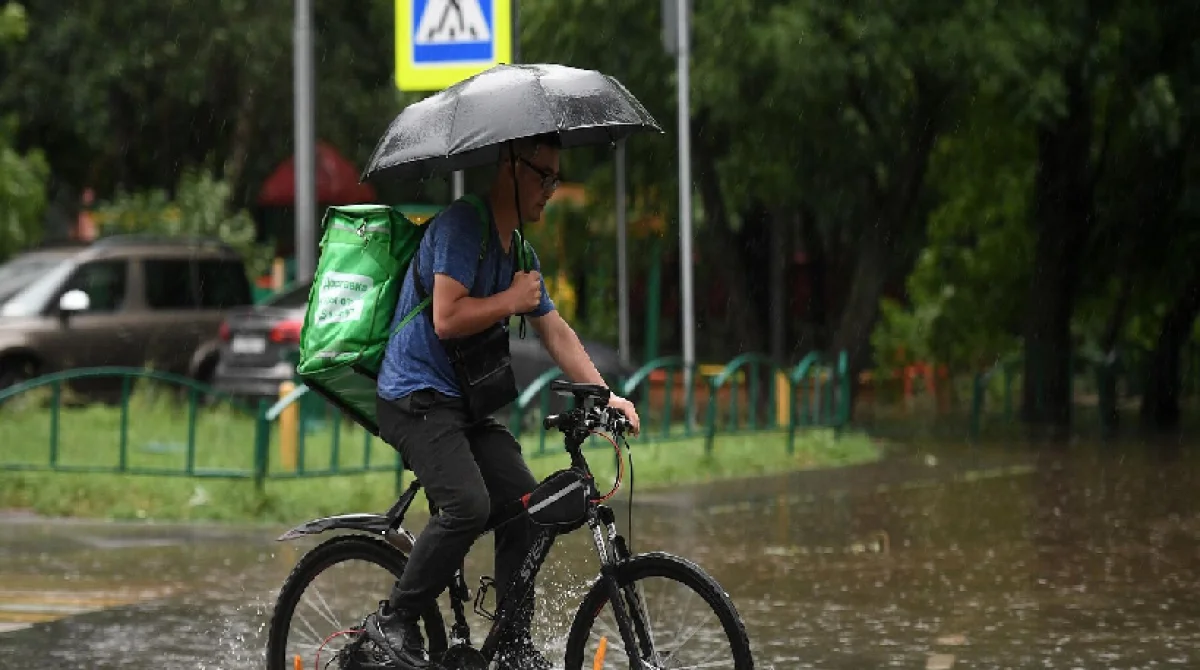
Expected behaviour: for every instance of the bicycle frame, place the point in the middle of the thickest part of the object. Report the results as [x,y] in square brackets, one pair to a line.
[601,520]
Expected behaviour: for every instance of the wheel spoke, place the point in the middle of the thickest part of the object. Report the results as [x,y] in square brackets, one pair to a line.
[689,636]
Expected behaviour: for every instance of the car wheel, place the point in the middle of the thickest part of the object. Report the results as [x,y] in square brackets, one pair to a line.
[15,370]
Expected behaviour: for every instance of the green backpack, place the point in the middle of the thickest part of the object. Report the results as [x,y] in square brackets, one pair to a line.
[365,253]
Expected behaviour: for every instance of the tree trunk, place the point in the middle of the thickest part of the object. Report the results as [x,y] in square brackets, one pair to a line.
[862,304]
[754,245]
[1160,400]
[729,270]
[239,149]
[1063,213]
[1109,414]
[778,250]
[817,267]
[887,246]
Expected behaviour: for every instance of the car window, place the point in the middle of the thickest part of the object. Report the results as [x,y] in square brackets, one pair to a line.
[104,283]
[169,284]
[223,283]
[294,297]
[23,271]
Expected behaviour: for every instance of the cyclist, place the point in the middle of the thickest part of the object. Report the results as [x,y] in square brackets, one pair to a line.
[468,468]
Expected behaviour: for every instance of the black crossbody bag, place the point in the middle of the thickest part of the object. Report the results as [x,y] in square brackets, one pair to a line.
[482,362]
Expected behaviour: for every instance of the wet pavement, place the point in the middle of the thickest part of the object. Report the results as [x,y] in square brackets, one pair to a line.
[958,557]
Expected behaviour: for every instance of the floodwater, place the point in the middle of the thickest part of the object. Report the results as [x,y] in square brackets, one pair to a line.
[985,558]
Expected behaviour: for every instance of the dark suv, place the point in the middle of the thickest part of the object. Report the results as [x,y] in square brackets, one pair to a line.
[126,300]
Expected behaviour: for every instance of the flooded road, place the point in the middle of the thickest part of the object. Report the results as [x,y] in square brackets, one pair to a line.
[955,558]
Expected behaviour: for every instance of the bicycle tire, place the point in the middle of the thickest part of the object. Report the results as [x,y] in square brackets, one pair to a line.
[325,555]
[671,567]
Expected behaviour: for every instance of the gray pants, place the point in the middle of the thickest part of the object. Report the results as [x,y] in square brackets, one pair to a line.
[470,472]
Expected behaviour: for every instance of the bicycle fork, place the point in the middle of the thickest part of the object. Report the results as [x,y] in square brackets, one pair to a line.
[635,626]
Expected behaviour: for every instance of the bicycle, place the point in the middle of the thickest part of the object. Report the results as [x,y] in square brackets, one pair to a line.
[562,503]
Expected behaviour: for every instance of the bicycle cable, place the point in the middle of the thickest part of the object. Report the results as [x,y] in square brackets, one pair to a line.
[629,454]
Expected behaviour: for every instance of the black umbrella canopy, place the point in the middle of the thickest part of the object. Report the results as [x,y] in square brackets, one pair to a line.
[465,126]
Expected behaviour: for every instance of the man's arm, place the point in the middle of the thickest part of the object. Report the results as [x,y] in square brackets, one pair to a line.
[567,351]
[565,348]
[457,314]
[455,241]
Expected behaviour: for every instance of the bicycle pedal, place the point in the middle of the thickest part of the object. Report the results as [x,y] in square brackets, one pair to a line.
[485,583]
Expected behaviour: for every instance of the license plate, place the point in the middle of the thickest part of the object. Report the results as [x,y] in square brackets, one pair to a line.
[248,345]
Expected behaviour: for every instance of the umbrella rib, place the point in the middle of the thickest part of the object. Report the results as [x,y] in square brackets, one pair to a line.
[453,117]
[558,126]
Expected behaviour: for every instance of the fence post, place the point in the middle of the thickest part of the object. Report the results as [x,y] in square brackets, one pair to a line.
[710,429]
[791,411]
[55,405]
[262,445]
[844,408]
[124,435]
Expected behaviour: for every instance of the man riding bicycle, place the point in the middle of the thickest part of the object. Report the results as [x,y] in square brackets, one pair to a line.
[469,466]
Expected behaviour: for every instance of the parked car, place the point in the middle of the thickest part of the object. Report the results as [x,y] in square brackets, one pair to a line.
[126,300]
[259,345]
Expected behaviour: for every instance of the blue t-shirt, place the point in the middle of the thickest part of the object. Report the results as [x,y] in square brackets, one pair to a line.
[415,359]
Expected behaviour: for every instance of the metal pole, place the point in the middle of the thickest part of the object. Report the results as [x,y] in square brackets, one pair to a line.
[459,184]
[516,31]
[622,261]
[305,157]
[685,191]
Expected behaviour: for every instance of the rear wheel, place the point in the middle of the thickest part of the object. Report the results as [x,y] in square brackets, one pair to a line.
[681,619]
[323,603]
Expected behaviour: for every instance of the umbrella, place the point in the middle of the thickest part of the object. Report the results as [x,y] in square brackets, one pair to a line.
[465,126]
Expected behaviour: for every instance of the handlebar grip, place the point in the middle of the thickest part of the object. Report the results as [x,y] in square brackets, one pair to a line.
[551,421]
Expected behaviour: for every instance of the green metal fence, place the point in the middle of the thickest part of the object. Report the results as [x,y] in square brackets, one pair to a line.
[154,423]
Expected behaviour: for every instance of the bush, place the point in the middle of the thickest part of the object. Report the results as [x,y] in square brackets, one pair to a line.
[200,208]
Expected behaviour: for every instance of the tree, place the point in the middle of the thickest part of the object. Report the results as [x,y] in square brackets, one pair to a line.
[22,175]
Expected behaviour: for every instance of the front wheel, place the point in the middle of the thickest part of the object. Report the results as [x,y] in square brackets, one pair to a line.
[327,596]
[681,618]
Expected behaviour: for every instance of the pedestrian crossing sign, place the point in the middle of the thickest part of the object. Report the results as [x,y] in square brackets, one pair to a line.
[442,42]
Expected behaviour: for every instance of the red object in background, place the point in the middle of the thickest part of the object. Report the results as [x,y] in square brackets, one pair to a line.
[337,182]
[286,332]
[223,332]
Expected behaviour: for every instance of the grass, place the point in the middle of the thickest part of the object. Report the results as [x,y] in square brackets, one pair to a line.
[157,435]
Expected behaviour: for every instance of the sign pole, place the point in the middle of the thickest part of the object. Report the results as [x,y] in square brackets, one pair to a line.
[622,261]
[305,130]
[516,31]
[685,190]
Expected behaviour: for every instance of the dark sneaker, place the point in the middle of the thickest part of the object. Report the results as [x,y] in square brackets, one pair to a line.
[521,655]
[398,635]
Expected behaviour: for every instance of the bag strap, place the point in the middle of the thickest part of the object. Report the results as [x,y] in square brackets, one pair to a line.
[426,302]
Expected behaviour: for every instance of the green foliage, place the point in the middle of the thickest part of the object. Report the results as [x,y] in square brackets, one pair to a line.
[200,208]
[22,193]
[966,292]
[22,176]
[13,24]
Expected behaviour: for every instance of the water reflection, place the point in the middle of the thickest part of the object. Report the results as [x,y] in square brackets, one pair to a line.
[1045,558]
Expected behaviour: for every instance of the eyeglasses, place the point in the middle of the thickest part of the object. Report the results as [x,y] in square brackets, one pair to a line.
[550,180]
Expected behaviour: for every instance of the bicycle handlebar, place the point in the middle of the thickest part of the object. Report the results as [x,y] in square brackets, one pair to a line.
[596,418]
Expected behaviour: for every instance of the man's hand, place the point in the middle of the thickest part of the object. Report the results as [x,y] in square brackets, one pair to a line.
[525,291]
[627,409]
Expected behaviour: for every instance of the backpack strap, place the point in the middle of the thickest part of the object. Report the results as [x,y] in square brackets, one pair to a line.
[426,302]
